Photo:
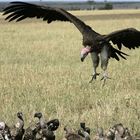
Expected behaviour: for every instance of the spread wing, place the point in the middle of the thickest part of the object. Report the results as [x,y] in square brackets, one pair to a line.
[20,10]
[129,38]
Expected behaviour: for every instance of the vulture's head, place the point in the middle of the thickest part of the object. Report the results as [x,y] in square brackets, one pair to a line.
[20,115]
[85,51]
[38,115]
[86,129]
[111,134]
[83,125]
[53,124]
[2,125]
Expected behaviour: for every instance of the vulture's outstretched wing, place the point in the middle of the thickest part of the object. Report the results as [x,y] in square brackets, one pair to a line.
[129,37]
[21,10]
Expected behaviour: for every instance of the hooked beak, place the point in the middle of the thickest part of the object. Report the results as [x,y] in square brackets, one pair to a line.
[84,52]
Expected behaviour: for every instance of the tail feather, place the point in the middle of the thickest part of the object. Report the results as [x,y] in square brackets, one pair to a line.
[116,53]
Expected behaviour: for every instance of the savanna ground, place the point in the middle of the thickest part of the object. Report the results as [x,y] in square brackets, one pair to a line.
[40,70]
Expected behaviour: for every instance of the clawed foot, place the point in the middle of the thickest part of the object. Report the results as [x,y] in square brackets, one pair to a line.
[94,77]
[104,78]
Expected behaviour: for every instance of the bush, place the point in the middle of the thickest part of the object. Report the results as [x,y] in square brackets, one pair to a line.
[108,6]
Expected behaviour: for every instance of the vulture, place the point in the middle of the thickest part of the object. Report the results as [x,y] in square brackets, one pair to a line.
[119,128]
[84,128]
[94,43]
[127,135]
[42,122]
[47,127]
[100,134]
[122,132]
[84,134]
[110,135]
[84,131]
[17,131]
[118,132]
[32,132]
[53,124]
[5,131]
[71,135]
[47,134]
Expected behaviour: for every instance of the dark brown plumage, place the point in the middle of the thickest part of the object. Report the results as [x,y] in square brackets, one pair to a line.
[53,124]
[47,134]
[32,132]
[4,131]
[118,132]
[84,127]
[70,135]
[17,131]
[93,42]
[84,131]
[46,127]
[42,123]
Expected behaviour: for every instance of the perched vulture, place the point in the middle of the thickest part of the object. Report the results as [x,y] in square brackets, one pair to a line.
[83,126]
[118,132]
[93,42]
[47,127]
[5,132]
[70,135]
[42,123]
[53,124]
[47,134]
[84,134]
[17,131]
[31,133]
[120,129]
[122,132]
[100,134]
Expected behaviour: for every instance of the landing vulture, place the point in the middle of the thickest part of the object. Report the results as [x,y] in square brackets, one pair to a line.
[93,42]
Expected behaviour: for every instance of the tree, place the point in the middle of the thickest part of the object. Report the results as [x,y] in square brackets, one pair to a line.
[108,6]
[91,3]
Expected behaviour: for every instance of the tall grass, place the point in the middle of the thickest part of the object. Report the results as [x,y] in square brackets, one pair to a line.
[40,70]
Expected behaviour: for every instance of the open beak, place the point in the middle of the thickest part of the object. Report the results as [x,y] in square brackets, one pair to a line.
[84,52]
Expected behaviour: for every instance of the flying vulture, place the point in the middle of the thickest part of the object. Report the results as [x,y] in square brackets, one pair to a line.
[93,42]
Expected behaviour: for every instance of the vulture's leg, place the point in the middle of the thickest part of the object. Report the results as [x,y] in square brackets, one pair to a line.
[95,61]
[104,61]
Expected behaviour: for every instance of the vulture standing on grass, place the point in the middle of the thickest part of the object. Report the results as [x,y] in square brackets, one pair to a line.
[17,131]
[70,135]
[53,124]
[99,134]
[31,133]
[5,131]
[93,42]
[84,131]
[84,127]
[46,127]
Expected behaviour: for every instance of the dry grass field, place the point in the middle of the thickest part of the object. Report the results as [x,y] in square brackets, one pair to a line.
[40,70]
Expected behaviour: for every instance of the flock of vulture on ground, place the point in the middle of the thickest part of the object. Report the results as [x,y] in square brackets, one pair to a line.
[44,130]
[94,43]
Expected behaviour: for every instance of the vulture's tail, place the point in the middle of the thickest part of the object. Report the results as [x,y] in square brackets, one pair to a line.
[116,53]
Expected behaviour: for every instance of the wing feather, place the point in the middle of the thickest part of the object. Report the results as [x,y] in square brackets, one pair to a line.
[129,38]
[116,53]
[21,10]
